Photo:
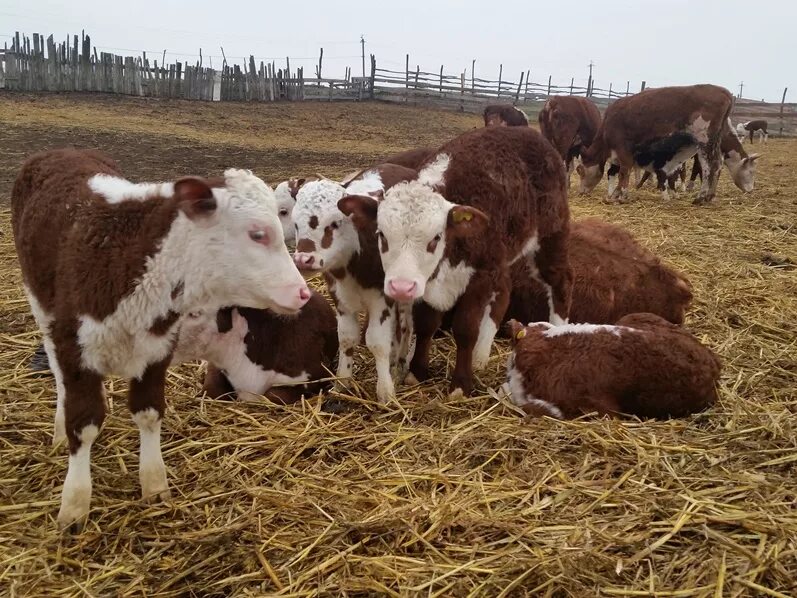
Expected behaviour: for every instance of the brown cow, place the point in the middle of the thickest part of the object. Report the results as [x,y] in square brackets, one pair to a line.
[485,200]
[613,276]
[659,129]
[411,158]
[740,165]
[642,366]
[504,115]
[570,124]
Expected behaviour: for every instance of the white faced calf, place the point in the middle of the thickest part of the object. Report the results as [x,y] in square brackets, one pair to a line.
[126,262]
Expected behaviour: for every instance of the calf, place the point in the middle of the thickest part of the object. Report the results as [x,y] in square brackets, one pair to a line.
[643,366]
[750,127]
[504,115]
[485,200]
[659,129]
[570,124]
[741,166]
[345,251]
[109,267]
[411,158]
[249,351]
[613,276]
[285,193]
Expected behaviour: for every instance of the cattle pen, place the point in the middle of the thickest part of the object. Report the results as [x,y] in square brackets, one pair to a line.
[434,496]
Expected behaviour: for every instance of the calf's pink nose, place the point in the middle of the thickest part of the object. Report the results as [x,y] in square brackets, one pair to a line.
[303,260]
[402,289]
[304,294]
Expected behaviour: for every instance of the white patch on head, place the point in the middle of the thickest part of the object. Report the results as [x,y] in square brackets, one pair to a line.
[116,189]
[517,393]
[412,216]
[317,203]
[151,470]
[217,264]
[76,495]
[741,169]
[368,183]
[487,332]
[561,329]
[699,129]
[433,174]
[590,178]
[285,203]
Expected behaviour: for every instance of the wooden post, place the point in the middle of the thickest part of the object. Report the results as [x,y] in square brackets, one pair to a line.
[373,74]
[320,60]
[549,86]
[500,75]
[519,85]
[572,80]
[441,78]
[782,102]
[643,86]
[407,74]
[526,89]
[627,88]
[417,74]
[610,91]
[473,76]
[287,67]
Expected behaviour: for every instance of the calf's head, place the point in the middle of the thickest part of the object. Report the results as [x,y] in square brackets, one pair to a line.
[325,238]
[414,224]
[742,170]
[233,247]
[286,193]
[589,176]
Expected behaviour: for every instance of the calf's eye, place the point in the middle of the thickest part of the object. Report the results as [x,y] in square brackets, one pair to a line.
[258,236]
[283,212]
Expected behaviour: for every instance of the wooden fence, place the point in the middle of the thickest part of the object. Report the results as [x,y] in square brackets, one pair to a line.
[39,64]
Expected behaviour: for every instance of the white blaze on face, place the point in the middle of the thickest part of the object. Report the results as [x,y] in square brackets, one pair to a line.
[742,170]
[589,177]
[412,223]
[326,238]
[237,256]
[285,203]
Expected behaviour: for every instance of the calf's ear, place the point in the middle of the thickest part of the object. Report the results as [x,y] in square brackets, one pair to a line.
[752,157]
[516,331]
[194,197]
[361,209]
[464,221]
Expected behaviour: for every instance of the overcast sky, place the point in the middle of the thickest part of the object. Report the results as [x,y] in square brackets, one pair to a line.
[664,42]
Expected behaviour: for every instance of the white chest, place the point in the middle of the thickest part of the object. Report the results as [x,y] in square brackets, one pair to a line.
[449,285]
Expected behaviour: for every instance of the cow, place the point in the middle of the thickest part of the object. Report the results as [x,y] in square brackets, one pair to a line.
[345,251]
[659,129]
[411,158]
[447,238]
[643,366]
[285,193]
[504,115]
[570,124]
[110,267]
[740,165]
[250,352]
[750,127]
[613,276]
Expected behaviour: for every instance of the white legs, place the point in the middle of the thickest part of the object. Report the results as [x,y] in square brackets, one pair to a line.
[151,470]
[76,495]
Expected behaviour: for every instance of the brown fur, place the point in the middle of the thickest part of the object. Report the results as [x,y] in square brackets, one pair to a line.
[663,372]
[570,123]
[656,114]
[287,345]
[729,143]
[613,276]
[411,158]
[504,115]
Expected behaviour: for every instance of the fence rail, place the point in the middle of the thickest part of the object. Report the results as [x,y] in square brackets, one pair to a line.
[38,64]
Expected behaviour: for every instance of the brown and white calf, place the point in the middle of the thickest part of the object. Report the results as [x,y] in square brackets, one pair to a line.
[740,165]
[285,192]
[750,127]
[345,250]
[570,123]
[485,200]
[504,115]
[251,352]
[613,276]
[659,129]
[643,366]
[110,267]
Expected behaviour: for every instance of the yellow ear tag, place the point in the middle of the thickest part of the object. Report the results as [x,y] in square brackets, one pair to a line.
[460,216]
[520,334]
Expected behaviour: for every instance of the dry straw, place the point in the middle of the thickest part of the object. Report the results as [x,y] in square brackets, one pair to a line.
[439,496]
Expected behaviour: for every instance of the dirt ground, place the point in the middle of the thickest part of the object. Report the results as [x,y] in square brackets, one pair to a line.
[441,496]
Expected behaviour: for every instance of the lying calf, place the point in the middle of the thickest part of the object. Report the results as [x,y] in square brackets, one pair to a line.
[643,366]
[253,351]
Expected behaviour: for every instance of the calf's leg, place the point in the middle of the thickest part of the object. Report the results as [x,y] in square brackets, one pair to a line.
[379,340]
[710,164]
[348,338]
[147,404]
[426,321]
[552,267]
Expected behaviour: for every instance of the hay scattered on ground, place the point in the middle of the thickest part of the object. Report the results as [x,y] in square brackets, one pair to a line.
[442,497]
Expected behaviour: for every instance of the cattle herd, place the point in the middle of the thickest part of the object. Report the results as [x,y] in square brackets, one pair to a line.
[474,236]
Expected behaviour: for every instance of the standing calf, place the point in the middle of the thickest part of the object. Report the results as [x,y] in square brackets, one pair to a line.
[485,200]
[643,366]
[504,115]
[109,268]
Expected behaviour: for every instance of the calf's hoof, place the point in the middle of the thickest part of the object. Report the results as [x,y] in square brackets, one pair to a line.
[157,496]
[74,512]
[410,379]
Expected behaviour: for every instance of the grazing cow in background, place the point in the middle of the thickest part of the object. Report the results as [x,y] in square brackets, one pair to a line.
[285,193]
[659,129]
[570,124]
[643,366]
[110,267]
[741,166]
[504,115]
[750,127]
[485,200]
[613,276]
[249,351]
[345,251]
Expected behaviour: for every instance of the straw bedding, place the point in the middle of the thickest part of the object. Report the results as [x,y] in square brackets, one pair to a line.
[435,496]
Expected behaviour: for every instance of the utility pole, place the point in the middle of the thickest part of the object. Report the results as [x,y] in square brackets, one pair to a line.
[362,44]
[741,89]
